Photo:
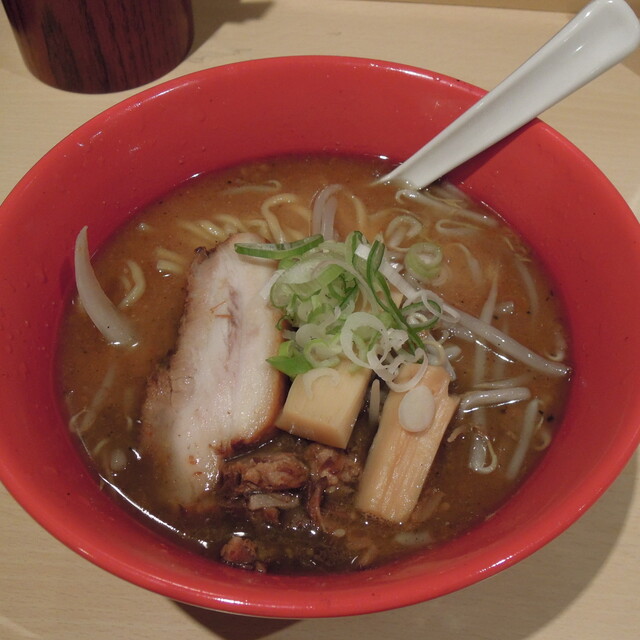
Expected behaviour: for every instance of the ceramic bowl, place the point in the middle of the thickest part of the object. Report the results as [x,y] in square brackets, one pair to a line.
[141,148]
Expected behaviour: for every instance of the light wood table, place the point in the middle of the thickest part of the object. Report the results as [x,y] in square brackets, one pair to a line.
[585,584]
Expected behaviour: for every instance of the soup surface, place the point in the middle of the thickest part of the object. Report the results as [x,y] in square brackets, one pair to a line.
[507,413]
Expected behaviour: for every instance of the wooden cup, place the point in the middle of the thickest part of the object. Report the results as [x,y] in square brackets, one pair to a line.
[100,46]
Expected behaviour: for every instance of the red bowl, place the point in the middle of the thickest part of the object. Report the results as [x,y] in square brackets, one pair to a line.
[138,150]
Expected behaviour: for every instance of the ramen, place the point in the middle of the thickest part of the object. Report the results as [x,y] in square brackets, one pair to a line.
[298,369]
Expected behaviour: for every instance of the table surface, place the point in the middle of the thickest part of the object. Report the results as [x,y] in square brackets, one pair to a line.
[582,585]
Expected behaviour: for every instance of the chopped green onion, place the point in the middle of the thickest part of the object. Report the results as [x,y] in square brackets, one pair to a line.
[290,360]
[416,314]
[392,309]
[291,367]
[279,251]
[336,300]
[423,260]
[354,240]
[374,277]
[326,276]
[319,354]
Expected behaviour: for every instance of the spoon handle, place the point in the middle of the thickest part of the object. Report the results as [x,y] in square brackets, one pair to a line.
[597,38]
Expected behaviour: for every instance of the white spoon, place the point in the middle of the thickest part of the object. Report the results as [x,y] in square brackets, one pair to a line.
[600,36]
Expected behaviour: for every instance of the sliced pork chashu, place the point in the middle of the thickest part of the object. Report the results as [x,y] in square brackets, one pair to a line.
[217,390]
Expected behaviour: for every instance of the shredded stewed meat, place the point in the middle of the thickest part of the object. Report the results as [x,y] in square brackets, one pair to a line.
[264,473]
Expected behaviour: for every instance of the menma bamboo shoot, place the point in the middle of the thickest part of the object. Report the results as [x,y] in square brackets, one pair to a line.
[399,460]
[323,405]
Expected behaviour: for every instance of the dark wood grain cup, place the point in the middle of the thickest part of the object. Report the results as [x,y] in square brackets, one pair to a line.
[100,46]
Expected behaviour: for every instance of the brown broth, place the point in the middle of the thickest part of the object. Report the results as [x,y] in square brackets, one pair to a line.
[454,498]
